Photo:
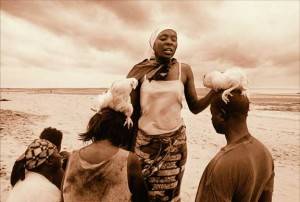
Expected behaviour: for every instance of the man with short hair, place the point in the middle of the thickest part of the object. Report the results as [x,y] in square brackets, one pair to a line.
[53,135]
[243,170]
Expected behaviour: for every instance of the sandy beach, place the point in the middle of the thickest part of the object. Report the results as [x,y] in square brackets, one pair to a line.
[25,114]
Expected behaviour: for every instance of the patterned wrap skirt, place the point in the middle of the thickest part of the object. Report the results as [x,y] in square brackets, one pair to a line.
[163,158]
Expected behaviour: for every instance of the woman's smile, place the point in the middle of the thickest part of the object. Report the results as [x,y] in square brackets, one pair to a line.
[168,51]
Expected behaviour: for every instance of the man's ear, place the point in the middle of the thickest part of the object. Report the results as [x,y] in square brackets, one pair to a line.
[224,114]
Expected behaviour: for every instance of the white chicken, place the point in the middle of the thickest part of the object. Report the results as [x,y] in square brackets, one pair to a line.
[117,97]
[231,79]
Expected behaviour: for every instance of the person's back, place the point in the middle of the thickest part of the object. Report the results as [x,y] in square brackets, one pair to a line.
[105,181]
[239,172]
[36,175]
[34,186]
[243,170]
[102,171]
[260,171]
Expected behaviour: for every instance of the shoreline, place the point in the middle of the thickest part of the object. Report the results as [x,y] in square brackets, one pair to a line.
[200,91]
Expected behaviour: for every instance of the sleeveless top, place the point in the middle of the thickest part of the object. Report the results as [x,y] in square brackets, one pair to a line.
[161,104]
[103,182]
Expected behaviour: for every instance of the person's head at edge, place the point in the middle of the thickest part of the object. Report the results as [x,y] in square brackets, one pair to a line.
[165,44]
[53,135]
[107,124]
[230,117]
[41,156]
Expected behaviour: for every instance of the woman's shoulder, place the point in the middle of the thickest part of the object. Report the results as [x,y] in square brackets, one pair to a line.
[185,66]
[186,71]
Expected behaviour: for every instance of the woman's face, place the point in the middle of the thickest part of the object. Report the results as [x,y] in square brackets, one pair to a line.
[165,44]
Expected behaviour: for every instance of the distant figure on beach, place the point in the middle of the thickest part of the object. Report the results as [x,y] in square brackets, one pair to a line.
[158,136]
[243,170]
[33,176]
[102,170]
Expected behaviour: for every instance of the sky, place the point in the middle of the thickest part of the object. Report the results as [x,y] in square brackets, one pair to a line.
[74,43]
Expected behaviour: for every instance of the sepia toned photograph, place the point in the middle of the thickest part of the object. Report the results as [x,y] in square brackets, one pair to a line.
[149,100]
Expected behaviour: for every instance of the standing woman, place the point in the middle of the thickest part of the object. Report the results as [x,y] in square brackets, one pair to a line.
[159,138]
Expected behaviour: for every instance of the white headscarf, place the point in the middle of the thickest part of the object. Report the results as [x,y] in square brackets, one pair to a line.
[150,51]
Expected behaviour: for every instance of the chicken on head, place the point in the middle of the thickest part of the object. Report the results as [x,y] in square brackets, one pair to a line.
[117,97]
[231,79]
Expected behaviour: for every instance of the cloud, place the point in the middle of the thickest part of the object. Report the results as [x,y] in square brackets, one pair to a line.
[90,24]
[109,37]
[190,18]
[267,77]
[40,48]
[233,54]
[132,13]
[285,57]
[250,34]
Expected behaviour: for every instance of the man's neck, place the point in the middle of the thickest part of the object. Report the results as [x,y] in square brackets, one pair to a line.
[236,132]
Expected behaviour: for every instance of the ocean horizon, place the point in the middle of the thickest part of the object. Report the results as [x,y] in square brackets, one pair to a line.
[270,99]
[88,90]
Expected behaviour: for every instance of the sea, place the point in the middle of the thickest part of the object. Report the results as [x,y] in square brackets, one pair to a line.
[268,99]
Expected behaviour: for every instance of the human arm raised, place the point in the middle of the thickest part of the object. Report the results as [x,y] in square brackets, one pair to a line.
[194,103]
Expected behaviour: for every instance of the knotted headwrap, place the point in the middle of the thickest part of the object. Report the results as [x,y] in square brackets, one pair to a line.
[150,49]
[35,155]
[38,152]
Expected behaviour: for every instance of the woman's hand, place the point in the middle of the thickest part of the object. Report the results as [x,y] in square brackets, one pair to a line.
[195,104]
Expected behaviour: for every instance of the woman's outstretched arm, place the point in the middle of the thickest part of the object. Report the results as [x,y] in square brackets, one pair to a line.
[195,104]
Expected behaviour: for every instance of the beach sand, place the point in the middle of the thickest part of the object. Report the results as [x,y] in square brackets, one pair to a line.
[26,114]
